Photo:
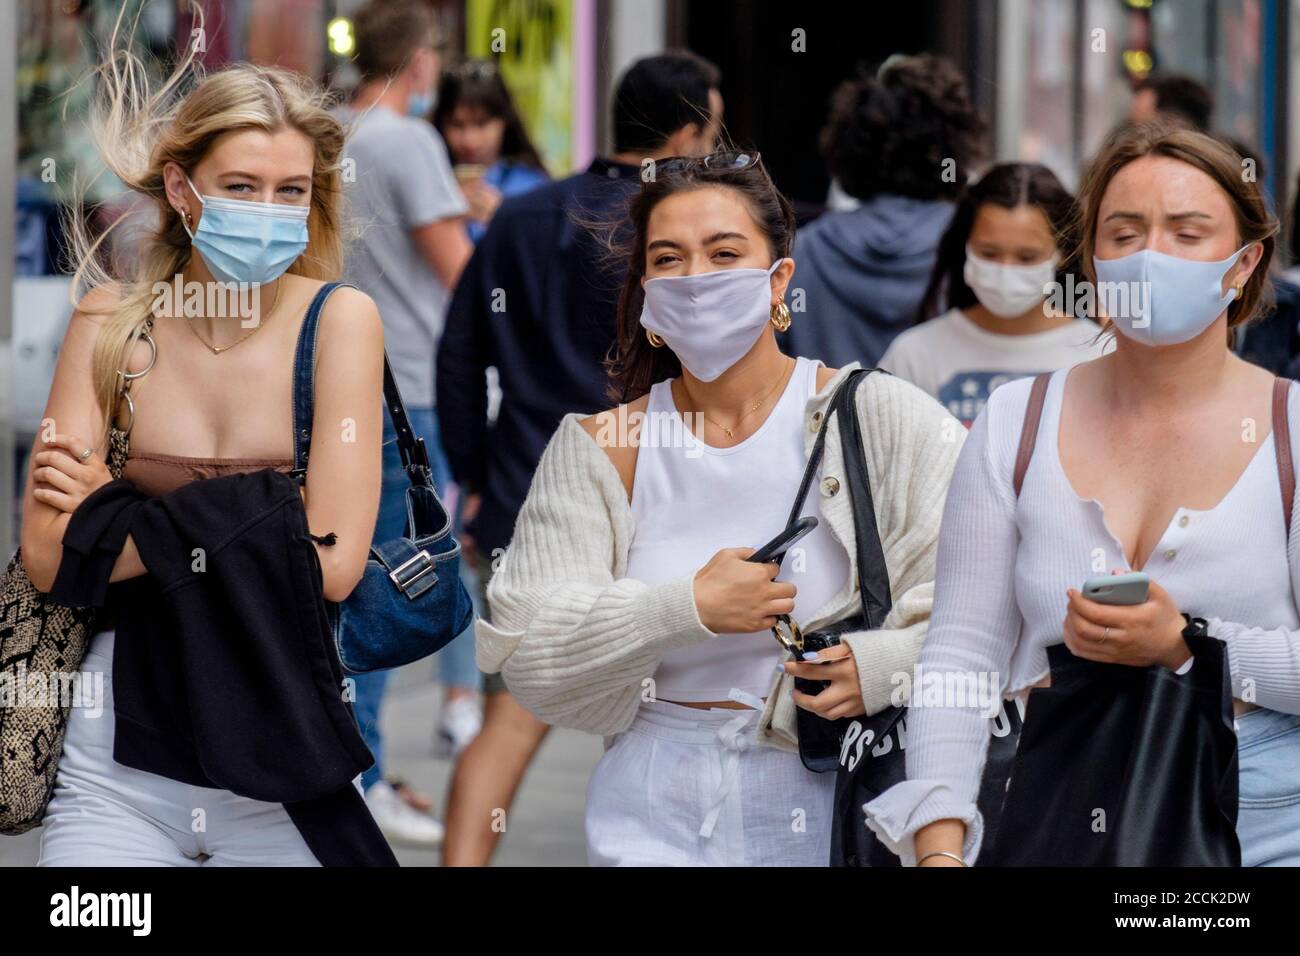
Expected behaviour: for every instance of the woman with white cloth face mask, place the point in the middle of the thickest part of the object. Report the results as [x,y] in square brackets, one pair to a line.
[1011,240]
[666,644]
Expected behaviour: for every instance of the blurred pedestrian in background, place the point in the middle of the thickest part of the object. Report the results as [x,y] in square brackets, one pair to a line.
[489,145]
[1174,97]
[1012,237]
[494,158]
[409,253]
[901,141]
[538,302]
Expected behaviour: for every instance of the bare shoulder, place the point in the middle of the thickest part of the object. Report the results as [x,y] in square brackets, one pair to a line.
[616,431]
[350,312]
[97,304]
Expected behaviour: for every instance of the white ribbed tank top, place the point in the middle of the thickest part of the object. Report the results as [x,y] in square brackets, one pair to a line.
[690,500]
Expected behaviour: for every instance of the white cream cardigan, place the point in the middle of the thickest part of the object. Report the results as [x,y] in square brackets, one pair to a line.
[574,639]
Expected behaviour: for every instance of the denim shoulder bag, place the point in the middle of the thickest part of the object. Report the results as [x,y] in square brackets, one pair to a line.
[410,602]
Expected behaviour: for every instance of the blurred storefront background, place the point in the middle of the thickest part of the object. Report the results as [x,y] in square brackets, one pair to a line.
[1052,76]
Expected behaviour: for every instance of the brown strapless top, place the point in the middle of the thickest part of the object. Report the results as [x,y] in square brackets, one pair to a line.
[156,475]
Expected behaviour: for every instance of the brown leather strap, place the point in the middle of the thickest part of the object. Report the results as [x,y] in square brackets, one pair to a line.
[1282,445]
[1029,430]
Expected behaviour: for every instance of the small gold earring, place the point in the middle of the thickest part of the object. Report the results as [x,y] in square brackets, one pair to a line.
[654,339]
[780,316]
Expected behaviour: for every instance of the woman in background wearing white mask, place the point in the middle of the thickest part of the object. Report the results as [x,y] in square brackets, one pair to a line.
[1011,236]
[625,606]
[1167,456]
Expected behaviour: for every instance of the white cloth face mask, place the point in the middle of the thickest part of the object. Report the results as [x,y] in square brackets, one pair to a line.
[1163,299]
[712,319]
[1008,291]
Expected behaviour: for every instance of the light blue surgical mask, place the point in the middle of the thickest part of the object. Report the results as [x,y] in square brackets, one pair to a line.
[1163,300]
[420,105]
[245,241]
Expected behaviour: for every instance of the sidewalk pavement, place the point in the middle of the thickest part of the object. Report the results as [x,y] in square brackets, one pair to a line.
[545,825]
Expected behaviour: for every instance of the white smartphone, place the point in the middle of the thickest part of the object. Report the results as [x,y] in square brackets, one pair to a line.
[1125,589]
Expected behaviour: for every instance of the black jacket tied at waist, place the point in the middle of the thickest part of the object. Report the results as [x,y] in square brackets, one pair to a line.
[224,670]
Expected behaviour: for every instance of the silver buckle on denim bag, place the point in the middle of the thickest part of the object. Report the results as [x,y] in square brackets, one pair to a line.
[395,575]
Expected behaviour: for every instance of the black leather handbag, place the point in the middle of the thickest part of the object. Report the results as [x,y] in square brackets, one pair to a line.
[867,753]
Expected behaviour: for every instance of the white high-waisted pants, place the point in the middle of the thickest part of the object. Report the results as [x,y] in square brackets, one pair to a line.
[104,814]
[687,787]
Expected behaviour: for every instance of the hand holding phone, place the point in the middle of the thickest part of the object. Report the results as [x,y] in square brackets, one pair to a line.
[775,549]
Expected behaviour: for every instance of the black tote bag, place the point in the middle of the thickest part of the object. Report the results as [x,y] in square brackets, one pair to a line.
[867,753]
[1125,766]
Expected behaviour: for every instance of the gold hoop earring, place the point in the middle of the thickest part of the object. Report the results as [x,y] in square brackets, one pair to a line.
[654,339]
[781,316]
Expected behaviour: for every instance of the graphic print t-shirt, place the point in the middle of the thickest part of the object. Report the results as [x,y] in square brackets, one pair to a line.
[961,364]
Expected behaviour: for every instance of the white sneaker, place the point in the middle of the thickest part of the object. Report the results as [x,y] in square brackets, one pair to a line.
[399,821]
[459,723]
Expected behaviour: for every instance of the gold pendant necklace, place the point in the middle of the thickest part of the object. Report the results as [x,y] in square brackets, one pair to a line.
[218,349]
[753,408]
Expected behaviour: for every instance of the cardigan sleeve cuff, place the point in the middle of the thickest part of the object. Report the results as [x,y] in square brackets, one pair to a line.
[666,614]
[881,656]
[904,808]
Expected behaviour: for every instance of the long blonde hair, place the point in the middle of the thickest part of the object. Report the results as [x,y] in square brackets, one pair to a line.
[138,130]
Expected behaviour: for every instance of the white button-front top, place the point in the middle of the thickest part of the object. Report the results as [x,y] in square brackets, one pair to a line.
[1003,569]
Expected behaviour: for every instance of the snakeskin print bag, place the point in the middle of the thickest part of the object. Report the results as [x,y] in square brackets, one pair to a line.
[42,645]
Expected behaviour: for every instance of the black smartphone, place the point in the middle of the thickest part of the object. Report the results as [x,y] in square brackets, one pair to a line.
[775,549]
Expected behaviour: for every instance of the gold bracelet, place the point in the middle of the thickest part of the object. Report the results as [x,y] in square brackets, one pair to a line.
[951,856]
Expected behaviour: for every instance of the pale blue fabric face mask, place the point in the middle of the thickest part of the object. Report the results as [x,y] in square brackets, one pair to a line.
[245,241]
[1169,300]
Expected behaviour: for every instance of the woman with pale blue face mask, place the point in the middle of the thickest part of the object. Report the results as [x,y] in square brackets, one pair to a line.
[1169,456]
[191,356]
[626,605]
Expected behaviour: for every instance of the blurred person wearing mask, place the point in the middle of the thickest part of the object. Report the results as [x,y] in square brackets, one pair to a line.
[559,287]
[1010,240]
[487,140]
[409,253]
[901,142]
[626,604]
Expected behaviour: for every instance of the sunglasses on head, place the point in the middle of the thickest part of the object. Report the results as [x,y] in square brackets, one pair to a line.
[730,161]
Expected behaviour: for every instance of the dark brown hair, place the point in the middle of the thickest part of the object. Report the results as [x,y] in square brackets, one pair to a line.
[1211,156]
[892,130]
[477,84]
[635,364]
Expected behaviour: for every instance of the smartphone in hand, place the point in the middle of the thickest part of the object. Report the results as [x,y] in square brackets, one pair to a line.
[775,549]
[1121,589]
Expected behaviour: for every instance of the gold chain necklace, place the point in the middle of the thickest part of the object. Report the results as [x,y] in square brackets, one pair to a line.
[753,408]
[217,350]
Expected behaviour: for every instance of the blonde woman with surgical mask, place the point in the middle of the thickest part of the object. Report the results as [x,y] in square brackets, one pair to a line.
[1007,244]
[1142,461]
[625,605]
[243,174]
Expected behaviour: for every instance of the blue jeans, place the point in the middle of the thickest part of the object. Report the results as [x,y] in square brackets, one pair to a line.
[456,660]
[1268,809]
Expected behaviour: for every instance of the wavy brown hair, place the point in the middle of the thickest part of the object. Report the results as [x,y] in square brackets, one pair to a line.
[634,364]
